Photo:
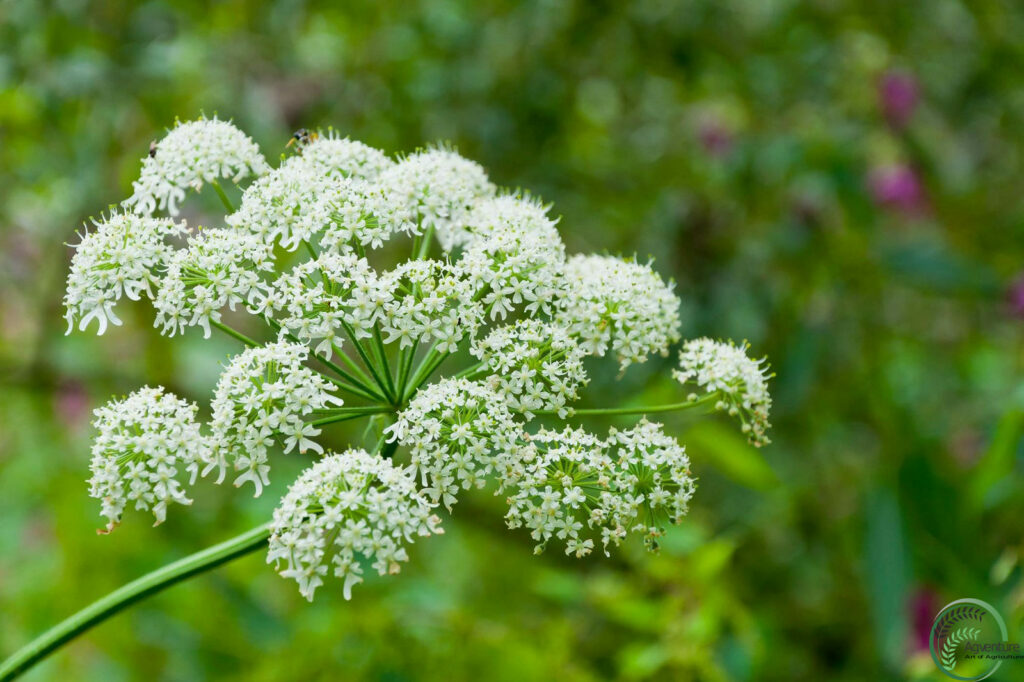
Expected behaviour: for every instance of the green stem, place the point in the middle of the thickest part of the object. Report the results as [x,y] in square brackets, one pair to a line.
[650,409]
[470,371]
[346,414]
[366,359]
[382,357]
[223,197]
[424,249]
[125,596]
[237,334]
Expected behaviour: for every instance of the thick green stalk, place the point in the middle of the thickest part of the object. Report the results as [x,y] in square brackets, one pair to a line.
[125,596]
[346,413]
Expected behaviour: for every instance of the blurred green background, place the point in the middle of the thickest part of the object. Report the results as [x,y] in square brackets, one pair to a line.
[837,182]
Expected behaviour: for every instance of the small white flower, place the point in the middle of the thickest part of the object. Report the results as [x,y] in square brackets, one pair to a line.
[436,189]
[741,383]
[345,509]
[141,442]
[429,302]
[219,268]
[458,431]
[190,155]
[120,258]
[535,366]
[265,395]
[619,304]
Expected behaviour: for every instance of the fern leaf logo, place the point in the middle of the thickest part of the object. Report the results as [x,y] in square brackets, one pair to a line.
[958,627]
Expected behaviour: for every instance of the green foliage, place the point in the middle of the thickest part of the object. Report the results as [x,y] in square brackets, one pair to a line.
[736,142]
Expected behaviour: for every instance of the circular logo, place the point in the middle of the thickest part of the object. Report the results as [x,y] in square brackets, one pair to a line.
[968,640]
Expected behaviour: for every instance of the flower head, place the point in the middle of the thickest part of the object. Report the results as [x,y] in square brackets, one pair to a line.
[141,442]
[265,396]
[345,509]
[282,205]
[514,255]
[120,258]
[456,430]
[619,304]
[580,489]
[190,155]
[534,365]
[341,157]
[436,189]
[220,267]
[741,383]
[430,302]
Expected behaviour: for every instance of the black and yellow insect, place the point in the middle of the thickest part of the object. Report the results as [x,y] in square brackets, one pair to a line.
[152,149]
[302,137]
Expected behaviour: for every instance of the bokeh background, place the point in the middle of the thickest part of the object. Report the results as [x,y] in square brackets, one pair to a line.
[837,182]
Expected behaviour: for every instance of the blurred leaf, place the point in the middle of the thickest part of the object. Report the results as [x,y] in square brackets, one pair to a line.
[887,565]
[714,443]
[997,464]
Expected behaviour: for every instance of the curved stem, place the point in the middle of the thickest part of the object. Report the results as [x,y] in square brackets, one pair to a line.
[650,409]
[125,596]
[223,197]
[235,333]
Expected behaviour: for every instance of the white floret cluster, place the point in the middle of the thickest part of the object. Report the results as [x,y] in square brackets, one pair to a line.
[140,444]
[457,432]
[344,510]
[514,254]
[487,273]
[265,397]
[282,205]
[578,488]
[534,366]
[741,383]
[220,267]
[437,189]
[189,156]
[121,257]
[619,304]
[339,157]
[323,300]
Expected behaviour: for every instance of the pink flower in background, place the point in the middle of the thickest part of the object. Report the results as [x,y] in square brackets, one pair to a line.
[71,403]
[715,137]
[1015,296]
[898,95]
[897,186]
[924,604]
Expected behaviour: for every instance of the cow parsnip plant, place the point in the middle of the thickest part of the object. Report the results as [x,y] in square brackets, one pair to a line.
[487,282]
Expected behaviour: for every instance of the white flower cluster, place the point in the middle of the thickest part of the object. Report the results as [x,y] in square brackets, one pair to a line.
[283,204]
[534,366]
[189,156]
[297,253]
[220,267]
[120,258]
[437,189]
[740,382]
[314,300]
[265,396]
[429,301]
[514,254]
[346,509]
[458,432]
[621,304]
[341,157]
[570,485]
[141,442]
